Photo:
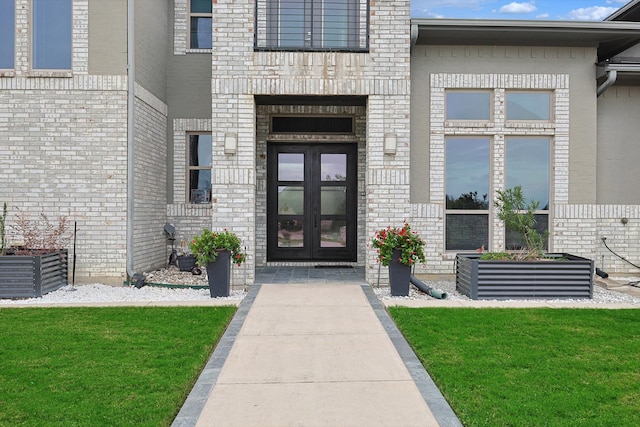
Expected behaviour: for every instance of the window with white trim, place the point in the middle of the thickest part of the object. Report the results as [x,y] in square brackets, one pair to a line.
[200,24]
[199,151]
[7,33]
[52,34]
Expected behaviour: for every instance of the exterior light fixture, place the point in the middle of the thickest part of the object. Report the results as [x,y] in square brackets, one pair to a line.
[390,143]
[230,143]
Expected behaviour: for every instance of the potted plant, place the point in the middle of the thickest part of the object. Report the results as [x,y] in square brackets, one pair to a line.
[399,249]
[215,251]
[39,264]
[529,272]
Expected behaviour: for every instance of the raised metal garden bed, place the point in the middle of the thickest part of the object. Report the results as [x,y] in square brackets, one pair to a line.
[29,276]
[563,276]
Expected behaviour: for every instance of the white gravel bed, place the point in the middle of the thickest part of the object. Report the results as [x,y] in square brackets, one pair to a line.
[100,293]
[600,295]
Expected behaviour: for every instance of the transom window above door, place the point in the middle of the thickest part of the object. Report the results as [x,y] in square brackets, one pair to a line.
[312,24]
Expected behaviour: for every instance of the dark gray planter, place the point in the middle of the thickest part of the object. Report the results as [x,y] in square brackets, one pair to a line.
[186,262]
[29,276]
[399,276]
[568,277]
[219,275]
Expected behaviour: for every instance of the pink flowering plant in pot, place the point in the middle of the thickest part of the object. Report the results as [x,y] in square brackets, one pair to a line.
[407,242]
[207,246]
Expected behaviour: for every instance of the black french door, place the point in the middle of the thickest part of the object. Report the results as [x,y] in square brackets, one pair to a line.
[311,202]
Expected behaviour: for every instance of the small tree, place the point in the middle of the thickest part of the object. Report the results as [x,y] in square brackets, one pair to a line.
[519,216]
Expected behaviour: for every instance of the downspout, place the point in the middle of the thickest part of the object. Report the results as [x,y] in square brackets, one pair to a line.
[131,97]
[612,75]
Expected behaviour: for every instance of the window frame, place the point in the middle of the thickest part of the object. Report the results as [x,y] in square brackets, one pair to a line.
[13,39]
[189,168]
[32,39]
[191,15]
[485,212]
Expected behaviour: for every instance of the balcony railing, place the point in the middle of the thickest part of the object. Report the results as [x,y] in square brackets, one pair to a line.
[312,25]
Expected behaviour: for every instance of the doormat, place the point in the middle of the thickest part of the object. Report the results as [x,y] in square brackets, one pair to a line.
[333,266]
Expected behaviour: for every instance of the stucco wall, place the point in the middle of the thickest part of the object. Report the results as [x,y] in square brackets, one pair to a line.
[108,37]
[152,43]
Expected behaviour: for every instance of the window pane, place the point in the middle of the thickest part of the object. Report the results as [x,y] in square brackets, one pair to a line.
[200,150]
[7,33]
[467,173]
[200,179]
[290,167]
[200,33]
[333,200]
[466,232]
[290,200]
[291,23]
[200,6]
[528,106]
[290,233]
[527,165]
[333,167]
[333,234]
[335,23]
[468,105]
[52,34]
[514,242]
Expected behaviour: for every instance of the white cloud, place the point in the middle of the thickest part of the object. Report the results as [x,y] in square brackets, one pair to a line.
[543,16]
[515,7]
[593,13]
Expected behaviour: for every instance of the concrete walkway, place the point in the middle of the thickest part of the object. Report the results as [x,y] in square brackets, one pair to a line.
[314,355]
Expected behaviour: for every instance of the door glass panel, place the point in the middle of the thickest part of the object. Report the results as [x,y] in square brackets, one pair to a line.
[290,167]
[290,200]
[333,233]
[290,233]
[333,167]
[333,200]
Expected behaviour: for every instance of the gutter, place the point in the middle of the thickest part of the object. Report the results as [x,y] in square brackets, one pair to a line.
[414,36]
[131,97]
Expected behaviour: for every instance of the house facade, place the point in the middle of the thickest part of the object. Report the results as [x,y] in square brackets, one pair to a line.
[304,126]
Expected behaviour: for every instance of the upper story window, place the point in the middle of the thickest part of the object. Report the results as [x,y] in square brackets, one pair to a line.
[312,24]
[531,105]
[200,24]
[199,167]
[51,37]
[465,105]
[7,33]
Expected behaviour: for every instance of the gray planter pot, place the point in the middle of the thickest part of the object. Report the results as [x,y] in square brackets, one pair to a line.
[29,276]
[399,276]
[186,262]
[569,276]
[219,275]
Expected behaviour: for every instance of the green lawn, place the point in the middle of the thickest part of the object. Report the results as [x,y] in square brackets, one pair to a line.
[103,366]
[531,367]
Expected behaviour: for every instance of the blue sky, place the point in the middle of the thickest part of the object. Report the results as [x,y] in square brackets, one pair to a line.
[581,10]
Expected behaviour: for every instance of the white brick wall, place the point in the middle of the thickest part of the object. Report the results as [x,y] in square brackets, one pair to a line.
[439,261]
[65,151]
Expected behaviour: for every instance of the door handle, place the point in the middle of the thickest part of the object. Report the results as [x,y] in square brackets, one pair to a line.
[315,217]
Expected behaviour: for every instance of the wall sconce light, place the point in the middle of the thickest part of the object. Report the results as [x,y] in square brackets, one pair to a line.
[230,143]
[390,143]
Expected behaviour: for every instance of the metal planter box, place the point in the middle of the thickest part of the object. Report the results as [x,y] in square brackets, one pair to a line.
[29,276]
[568,277]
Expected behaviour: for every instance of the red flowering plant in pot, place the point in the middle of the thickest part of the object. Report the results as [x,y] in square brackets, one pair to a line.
[216,250]
[399,249]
